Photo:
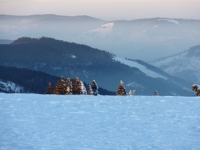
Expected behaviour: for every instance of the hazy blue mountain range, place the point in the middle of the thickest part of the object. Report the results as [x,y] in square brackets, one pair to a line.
[5,41]
[145,39]
[21,80]
[70,59]
[185,65]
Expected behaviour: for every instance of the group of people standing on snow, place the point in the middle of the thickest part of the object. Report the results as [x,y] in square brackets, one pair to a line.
[68,88]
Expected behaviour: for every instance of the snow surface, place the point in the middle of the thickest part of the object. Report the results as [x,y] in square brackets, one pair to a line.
[59,122]
[142,68]
[10,86]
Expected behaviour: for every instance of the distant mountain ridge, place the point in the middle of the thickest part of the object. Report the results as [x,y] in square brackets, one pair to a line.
[66,59]
[49,16]
[136,39]
[4,41]
[185,64]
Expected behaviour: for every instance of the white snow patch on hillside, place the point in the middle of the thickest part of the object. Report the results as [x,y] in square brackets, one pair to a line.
[85,73]
[10,87]
[156,26]
[104,29]
[169,20]
[135,85]
[63,122]
[72,56]
[142,68]
[108,25]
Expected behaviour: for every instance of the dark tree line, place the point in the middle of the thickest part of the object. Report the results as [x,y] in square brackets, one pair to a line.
[33,81]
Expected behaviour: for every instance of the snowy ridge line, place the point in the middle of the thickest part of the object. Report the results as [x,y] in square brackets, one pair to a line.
[145,70]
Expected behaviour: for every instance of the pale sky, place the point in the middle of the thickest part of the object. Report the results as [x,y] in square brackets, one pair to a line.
[105,9]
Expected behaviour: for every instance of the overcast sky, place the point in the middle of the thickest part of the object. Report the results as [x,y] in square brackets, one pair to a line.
[105,9]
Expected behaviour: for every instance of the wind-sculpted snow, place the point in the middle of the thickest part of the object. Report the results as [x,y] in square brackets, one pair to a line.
[31,121]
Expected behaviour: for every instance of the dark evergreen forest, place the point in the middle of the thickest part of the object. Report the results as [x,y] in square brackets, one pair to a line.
[34,81]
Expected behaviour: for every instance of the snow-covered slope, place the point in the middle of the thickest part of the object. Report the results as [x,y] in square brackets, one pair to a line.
[169,20]
[185,65]
[33,122]
[103,30]
[142,68]
[10,87]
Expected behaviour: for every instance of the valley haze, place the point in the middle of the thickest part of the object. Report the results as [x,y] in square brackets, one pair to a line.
[144,39]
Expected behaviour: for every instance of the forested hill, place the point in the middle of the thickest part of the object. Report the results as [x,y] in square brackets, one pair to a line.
[23,80]
[60,58]
[51,51]
[184,65]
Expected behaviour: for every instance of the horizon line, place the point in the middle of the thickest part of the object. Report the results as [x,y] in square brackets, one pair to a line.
[97,18]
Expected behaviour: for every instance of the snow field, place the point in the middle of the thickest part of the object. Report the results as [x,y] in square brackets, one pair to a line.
[49,122]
